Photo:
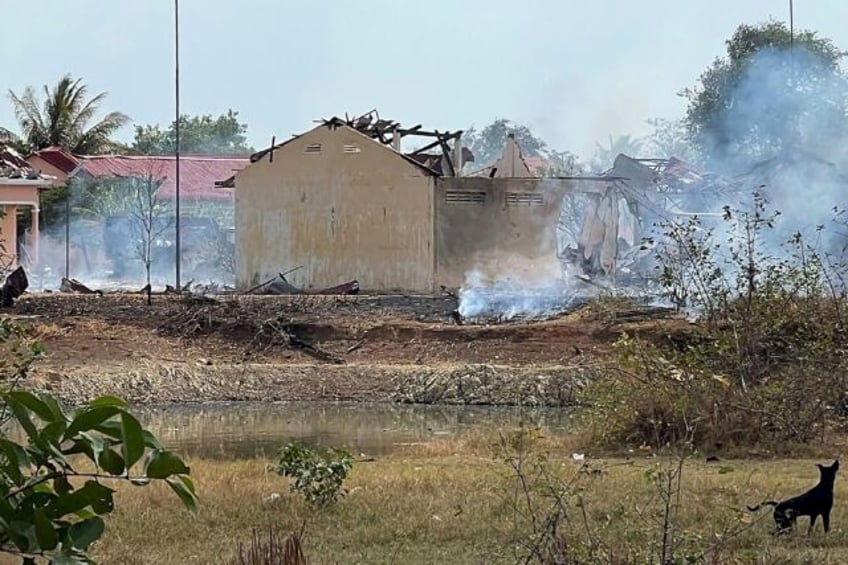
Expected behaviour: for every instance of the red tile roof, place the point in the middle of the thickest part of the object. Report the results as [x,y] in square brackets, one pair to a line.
[198,174]
[536,164]
[59,157]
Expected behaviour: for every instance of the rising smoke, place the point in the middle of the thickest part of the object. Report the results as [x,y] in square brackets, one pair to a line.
[100,236]
[782,135]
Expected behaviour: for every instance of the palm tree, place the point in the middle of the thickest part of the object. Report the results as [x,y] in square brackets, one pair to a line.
[604,156]
[63,118]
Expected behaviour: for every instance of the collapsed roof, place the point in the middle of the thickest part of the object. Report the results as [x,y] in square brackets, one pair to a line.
[443,162]
[14,167]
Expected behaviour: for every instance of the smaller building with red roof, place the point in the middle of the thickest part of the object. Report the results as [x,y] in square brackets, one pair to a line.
[198,173]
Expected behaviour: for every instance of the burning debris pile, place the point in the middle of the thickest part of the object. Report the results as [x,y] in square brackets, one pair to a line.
[606,242]
[508,300]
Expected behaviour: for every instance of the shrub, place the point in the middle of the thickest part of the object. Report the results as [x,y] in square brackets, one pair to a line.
[54,489]
[767,364]
[318,476]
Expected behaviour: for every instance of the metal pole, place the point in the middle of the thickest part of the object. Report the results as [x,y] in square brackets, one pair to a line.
[791,25]
[177,132]
[68,231]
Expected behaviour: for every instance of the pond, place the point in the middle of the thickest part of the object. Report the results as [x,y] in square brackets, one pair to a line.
[243,430]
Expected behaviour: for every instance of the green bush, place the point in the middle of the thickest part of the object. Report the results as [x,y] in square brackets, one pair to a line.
[54,486]
[767,363]
[318,476]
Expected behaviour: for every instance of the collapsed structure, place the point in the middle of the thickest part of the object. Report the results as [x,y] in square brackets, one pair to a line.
[345,201]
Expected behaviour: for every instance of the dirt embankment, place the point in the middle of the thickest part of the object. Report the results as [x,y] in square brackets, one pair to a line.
[387,348]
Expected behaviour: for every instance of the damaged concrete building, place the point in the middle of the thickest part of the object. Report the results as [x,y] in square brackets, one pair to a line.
[344,201]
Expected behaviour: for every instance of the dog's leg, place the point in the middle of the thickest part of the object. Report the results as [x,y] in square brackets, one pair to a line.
[826,521]
[812,523]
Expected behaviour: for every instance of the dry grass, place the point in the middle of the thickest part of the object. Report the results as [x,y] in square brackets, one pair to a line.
[447,502]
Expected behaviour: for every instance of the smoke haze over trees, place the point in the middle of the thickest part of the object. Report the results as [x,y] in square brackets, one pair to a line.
[205,135]
[769,94]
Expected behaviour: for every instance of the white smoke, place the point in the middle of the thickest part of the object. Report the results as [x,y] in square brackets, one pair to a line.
[505,298]
[784,135]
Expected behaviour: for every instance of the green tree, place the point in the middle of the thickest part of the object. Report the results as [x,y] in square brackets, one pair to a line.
[55,486]
[64,118]
[670,138]
[605,155]
[562,164]
[198,134]
[488,143]
[771,92]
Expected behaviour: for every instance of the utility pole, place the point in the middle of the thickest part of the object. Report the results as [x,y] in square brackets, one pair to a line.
[791,25]
[177,132]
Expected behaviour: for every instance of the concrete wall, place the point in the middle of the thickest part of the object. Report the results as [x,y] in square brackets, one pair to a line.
[500,226]
[511,164]
[13,199]
[343,206]
[39,164]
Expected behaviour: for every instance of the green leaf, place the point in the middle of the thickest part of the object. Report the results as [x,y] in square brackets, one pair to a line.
[58,414]
[45,534]
[84,533]
[112,401]
[22,416]
[92,445]
[16,459]
[90,418]
[100,497]
[133,445]
[53,432]
[184,489]
[33,403]
[111,462]
[113,430]
[93,494]
[62,485]
[163,464]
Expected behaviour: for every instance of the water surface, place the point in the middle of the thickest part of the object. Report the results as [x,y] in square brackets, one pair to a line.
[242,429]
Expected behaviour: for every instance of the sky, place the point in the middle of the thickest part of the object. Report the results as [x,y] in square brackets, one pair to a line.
[575,72]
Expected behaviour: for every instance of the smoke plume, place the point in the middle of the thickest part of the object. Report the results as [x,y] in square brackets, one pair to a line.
[782,135]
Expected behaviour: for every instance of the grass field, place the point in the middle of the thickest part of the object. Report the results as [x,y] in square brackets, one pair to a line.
[458,502]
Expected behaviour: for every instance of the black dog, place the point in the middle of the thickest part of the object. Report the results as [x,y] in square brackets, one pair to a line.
[814,503]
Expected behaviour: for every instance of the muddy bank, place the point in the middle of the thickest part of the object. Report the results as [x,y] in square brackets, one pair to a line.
[479,384]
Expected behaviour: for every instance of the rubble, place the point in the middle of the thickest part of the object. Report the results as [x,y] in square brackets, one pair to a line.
[281,285]
[14,286]
[74,286]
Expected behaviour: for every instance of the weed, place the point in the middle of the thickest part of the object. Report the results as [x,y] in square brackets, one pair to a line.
[317,476]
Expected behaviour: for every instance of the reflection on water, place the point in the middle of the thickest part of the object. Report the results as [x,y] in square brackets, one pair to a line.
[229,430]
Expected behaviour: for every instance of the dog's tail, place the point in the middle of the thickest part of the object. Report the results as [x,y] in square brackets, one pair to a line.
[760,505]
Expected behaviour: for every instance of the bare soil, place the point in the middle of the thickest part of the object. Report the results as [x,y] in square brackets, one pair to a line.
[360,346]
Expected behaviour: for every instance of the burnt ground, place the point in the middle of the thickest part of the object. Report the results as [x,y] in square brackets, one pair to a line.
[350,337]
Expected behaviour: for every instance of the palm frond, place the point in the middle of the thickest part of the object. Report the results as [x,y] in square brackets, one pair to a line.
[98,138]
[85,113]
[29,117]
[62,117]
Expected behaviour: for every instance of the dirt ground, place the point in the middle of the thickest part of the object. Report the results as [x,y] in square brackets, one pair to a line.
[365,338]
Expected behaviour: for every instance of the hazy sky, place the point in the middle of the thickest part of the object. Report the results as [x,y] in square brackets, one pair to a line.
[574,71]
